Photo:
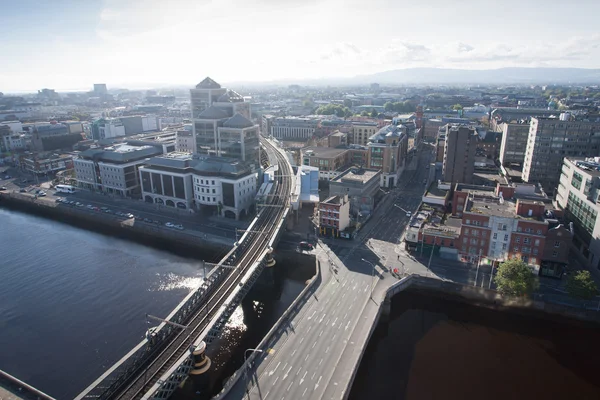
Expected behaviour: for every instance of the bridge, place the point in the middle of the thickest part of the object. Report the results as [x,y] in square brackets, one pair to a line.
[174,349]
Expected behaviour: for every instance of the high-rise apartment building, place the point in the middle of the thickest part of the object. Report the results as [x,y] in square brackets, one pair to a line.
[514,143]
[552,139]
[459,154]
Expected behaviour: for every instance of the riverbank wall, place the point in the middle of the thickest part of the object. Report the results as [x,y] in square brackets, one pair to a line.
[187,243]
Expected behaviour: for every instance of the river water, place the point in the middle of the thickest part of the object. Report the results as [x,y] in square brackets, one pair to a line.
[72,302]
[435,348]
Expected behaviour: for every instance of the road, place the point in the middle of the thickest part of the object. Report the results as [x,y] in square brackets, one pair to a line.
[304,362]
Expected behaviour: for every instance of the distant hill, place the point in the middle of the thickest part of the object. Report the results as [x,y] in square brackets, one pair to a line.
[484,76]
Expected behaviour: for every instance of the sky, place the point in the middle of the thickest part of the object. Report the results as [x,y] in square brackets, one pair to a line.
[71,44]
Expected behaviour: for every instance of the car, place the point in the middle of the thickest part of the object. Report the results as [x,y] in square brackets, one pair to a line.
[408,214]
[169,225]
[79,205]
[22,190]
[156,222]
[90,206]
[24,181]
[107,211]
[180,227]
[71,202]
[42,194]
[148,220]
[7,177]
[129,215]
[104,208]
[305,246]
[3,188]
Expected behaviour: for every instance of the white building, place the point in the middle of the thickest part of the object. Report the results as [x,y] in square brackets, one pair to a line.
[294,127]
[224,186]
[112,170]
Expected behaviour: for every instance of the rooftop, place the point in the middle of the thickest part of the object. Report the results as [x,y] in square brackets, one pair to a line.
[208,83]
[334,200]
[212,112]
[120,153]
[323,152]
[590,166]
[238,121]
[357,175]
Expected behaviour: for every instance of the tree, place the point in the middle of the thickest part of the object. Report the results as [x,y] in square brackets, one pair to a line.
[514,278]
[581,285]
[364,113]
[457,107]
[347,103]
[374,113]
[389,106]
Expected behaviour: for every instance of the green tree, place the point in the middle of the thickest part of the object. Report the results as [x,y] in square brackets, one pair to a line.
[457,107]
[389,106]
[514,278]
[374,113]
[364,113]
[347,103]
[581,285]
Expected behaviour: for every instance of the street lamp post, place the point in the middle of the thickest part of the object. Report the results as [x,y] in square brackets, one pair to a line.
[372,276]
[246,367]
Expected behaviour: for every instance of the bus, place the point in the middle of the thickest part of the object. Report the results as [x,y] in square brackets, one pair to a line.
[65,189]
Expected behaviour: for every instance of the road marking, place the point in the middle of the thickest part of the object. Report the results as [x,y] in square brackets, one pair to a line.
[309,328]
[288,389]
[327,322]
[306,358]
[294,352]
[313,346]
[320,333]
[345,315]
[301,340]
[309,318]
[302,379]
[275,381]
[327,350]
[334,322]
[302,393]
[346,328]
[286,374]
[317,384]
[299,369]
[266,395]
[272,372]
[321,361]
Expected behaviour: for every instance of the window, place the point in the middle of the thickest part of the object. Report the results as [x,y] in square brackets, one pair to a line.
[519,229]
[466,231]
[468,222]
[539,231]
[516,249]
[493,245]
[474,241]
[475,233]
[537,242]
[214,199]
[484,234]
[465,240]
[503,246]
[495,236]
[555,253]
[505,238]
[526,240]
[213,182]
[483,243]
[476,223]
[526,250]
[518,239]
[557,244]
[203,199]
[213,191]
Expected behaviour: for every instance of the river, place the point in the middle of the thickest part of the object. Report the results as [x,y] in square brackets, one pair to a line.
[436,348]
[72,302]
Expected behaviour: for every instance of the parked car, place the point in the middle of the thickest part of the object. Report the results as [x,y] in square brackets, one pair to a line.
[41,194]
[7,177]
[180,227]
[2,187]
[170,225]
[22,190]
[108,211]
[129,215]
[306,246]
[148,220]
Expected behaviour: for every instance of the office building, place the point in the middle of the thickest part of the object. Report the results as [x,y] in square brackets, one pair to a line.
[294,128]
[222,125]
[552,139]
[514,143]
[113,170]
[578,195]
[387,151]
[46,163]
[167,180]
[48,136]
[360,132]
[135,124]
[361,186]
[331,161]
[459,154]
[100,89]
[107,128]
[185,142]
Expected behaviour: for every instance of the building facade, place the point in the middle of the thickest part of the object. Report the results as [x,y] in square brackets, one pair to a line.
[360,132]
[552,139]
[294,128]
[334,215]
[387,151]
[166,180]
[514,143]
[107,128]
[459,154]
[578,195]
[361,186]
[113,170]
[185,142]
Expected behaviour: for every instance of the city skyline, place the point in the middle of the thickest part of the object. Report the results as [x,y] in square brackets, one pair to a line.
[70,45]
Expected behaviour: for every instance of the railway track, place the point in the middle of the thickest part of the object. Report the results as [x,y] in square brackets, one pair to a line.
[152,371]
